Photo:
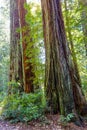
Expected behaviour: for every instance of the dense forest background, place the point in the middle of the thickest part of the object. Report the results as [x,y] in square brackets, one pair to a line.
[26,64]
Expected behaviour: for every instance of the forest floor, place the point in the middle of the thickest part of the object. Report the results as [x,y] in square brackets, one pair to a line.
[51,123]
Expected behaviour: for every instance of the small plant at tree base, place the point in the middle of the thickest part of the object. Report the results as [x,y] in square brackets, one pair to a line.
[66,119]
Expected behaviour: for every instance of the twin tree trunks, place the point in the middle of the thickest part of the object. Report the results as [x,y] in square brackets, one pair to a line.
[20,70]
[63,91]
[62,88]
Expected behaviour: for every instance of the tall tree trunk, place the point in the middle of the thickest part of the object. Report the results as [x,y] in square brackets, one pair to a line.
[16,73]
[71,43]
[60,77]
[27,67]
[75,68]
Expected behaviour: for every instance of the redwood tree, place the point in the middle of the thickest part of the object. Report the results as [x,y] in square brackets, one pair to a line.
[62,90]
[16,73]
[71,42]
[27,67]
[20,69]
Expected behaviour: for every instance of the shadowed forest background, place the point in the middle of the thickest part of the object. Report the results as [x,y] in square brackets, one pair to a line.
[43,60]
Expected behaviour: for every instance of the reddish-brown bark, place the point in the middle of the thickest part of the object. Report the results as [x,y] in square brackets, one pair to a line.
[28,83]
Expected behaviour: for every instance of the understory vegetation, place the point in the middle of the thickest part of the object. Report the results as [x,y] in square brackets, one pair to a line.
[24,107]
[18,105]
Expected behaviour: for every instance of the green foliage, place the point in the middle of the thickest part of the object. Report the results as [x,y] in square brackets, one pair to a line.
[24,107]
[34,39]
[76,22]
[66,119]
[15,87]
[4,46]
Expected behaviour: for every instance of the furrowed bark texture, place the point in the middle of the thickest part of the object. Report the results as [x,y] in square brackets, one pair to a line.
[71,43]
[16,73]
[27,67]
[76,77]
[59,81]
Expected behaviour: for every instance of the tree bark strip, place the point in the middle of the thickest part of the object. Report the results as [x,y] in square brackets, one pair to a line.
[27,67]
[16,73]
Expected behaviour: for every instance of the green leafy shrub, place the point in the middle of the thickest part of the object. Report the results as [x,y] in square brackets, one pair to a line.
[66,119]
[15,87]
[24,107]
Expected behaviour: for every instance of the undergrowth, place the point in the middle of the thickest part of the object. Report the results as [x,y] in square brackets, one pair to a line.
[24,107]
[65,119]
